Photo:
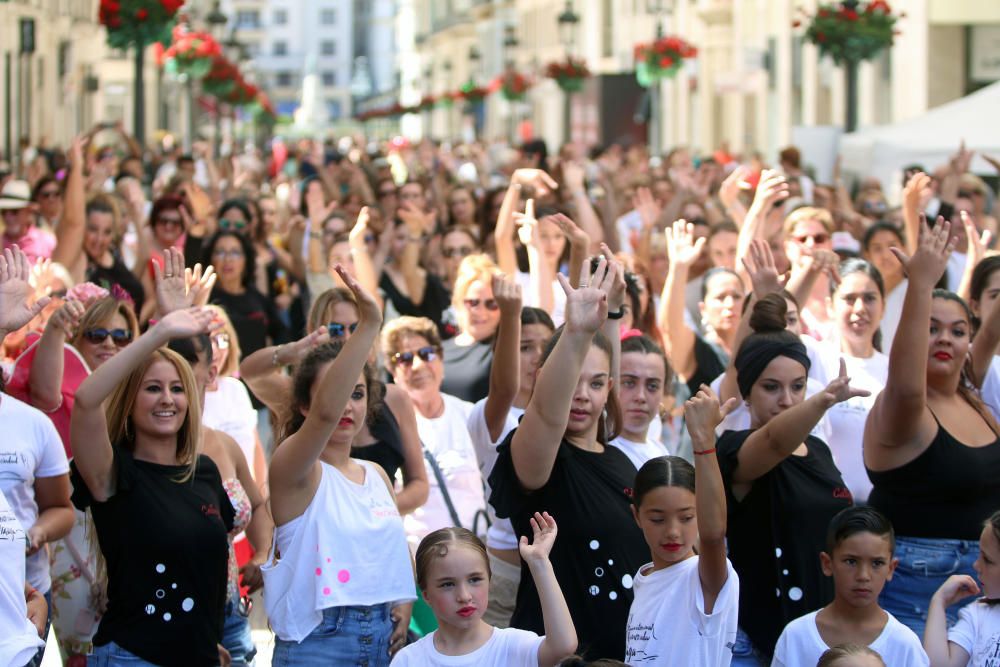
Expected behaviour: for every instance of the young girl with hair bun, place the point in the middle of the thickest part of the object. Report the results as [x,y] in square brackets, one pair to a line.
[453,572]
[686,602]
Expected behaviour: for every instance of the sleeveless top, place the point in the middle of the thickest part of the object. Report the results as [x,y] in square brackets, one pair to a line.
[243,513]
[945,493]
[347,549]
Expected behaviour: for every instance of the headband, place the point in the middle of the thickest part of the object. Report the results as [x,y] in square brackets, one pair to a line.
[758,351]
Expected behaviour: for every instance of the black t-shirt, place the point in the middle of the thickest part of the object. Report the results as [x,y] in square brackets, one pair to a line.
[436,299]
[254,317]
[599,548]
[117,274]
[776,533]
[387,449]
[167,553]
[710,363]
[467,370]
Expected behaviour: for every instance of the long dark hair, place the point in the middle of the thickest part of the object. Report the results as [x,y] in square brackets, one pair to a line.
[249,254]
[662,471]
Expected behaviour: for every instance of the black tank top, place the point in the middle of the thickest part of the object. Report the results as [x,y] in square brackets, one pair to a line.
[387,450]
[945,493]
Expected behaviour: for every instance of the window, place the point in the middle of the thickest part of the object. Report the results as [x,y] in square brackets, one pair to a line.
[253,49]
[280,17]
[281,48]
[329,78]
[333,108]
[328,48]
[327,16]
[283,79]
[247,18]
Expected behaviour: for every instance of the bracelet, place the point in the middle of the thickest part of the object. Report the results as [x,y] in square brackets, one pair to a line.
[618,314]
[705,451]
[274,356]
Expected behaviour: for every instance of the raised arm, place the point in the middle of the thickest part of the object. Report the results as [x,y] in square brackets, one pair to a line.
[263,371]
[560,635]
[89,427]
[505,371]
[896,417]
[575,182]
[16,308]
[539,270]
[702,414]
[418,224]
[772,188]
[729,194]
[504,232]
[616,301]
[415,487]
[537,439]
[46,373]
[69,233]
[678,337]
[579,244]
[365,270]
[913,197]
[295,459]
[943,653]
[985,346]
[976,248]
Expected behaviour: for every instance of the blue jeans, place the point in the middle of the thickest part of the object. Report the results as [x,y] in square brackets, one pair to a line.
[925,564]
[113,655]
[346,636]
[236,637]
[744,653]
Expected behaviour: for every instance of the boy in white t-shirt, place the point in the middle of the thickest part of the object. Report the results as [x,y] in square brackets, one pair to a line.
[860,544]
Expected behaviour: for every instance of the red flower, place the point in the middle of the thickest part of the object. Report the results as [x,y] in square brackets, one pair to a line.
[796,23]
[666,61]
[879,6]
[141,15]
[115,21]
[820,37]
[850,15]
[824,13]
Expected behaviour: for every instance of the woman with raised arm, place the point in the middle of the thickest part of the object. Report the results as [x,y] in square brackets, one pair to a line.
[159,509]
[330,596]
[932,448]
[782,485]
[558,460]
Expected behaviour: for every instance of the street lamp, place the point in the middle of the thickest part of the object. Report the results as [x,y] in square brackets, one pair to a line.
[510,42]
[236,52]
[568,21]
[656,8]
[476,109]
[216,25]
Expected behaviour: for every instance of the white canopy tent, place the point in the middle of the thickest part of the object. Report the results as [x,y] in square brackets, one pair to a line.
[928,140]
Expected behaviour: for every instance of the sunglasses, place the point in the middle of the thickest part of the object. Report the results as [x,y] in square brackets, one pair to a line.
[488,304]
[336,329]
[228,254]
[169,221]
[221,341]
[232,225]
[120,337]
[386,193]
[426,354]
[817,238]
[462,251]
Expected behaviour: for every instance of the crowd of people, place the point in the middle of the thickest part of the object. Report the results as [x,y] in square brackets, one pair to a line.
[607,407]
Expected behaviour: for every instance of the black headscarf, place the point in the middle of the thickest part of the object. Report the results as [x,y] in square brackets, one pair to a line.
[758,350]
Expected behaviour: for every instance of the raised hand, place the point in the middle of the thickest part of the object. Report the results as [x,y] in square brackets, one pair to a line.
[417,221]
[955,588]
[729,190]
[702,413]
[840,389]
[368,308]
[199,285]
[67,318]
[616,283]
[647,208]
[933,249]
[682,248]
[978,243]
[290,354]
[360,230]
[820,260]
[16,308]
[760,266]
[535,178]
[571,230]
[527,225]
[171,285]
[507,294]
[587,305]
[543,526]
[573,176]
[199,201]
[772,187]
[915,191]
[316,207]
[188,322]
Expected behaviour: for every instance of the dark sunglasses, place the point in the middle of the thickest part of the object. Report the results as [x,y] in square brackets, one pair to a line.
[462,251]
[488,304]
[336,329]
[386,193]
[120,337]
[234,225]
[169,221]
[426,354]
[817,238]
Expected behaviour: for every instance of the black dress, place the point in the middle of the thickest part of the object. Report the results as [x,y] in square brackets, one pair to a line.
[117,274]
[436,299]
[776,533]
[599,548]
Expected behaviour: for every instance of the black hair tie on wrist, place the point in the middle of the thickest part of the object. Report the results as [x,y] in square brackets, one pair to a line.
[618,314]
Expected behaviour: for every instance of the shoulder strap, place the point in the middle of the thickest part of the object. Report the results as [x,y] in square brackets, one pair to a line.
[439,476]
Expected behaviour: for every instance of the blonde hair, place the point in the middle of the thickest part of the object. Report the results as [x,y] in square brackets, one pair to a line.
[474,267]
[832,656]
[101,311]
[803,213]
[397,329]
[232,365]
[324,302]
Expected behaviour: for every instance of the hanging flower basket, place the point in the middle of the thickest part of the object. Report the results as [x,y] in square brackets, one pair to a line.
[427,102]
[470,92]
[851,31]
[661,59]
[191,53]
[513,85]
[569,74]
[140,22]
[243,94]
[221,78]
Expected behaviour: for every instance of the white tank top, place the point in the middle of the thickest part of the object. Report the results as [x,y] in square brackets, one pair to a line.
[348,549]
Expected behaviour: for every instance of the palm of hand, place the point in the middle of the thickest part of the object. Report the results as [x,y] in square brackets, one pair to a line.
[171,293]
[14,310]
[586,309]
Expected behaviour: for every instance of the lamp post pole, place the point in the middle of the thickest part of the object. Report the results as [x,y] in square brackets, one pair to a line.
[568,21]
[217,25]
[477,109]
[656,8]
[139,103]
[510,42]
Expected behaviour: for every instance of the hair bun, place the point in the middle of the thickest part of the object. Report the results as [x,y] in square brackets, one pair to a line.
[769,314]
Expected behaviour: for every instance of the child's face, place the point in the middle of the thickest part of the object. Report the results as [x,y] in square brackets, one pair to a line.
[987,566]
[667,519]
[860,565]
[458,587]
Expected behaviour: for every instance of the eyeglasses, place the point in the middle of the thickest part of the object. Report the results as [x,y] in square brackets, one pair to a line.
[227,254]
[461,251]
[120,337]
[386,193]
[336,329]
[817,239]
[488,304]
[232,225]
[426,354]
[169,221]
[221,341]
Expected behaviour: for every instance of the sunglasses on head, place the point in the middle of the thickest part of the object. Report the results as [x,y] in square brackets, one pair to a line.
[461,251]
[817,238]
[336,329]
[120,337]
[426,354]
[488,304]
[232,225]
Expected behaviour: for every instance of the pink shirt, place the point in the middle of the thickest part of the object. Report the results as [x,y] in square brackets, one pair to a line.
[36,243]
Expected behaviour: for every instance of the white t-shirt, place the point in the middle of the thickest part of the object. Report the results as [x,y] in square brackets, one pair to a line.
[558,296]
[667,623]
[847,419]
[892,315]
[228,409]
[801,644]
[18,638]
[956,267]
[447,439]
[30,449]
[626,224]
[978,632]
[640,452]
[509,647]
[501,533]
[991,387]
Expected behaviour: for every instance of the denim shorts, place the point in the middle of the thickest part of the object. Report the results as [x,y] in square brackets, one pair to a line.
[236,637]
[113,655]
[348,636]
[744,653]
[925,564]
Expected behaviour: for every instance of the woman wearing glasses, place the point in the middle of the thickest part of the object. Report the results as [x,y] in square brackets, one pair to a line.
[808,230]
[457,243]
[468,356]
[412,348]
[167,224]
